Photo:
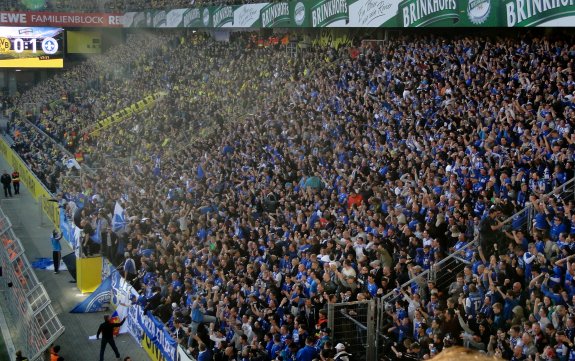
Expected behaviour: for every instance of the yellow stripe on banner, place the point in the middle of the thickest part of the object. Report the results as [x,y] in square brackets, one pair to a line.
[125,113]
[151,349]
[32,63]
[34,186]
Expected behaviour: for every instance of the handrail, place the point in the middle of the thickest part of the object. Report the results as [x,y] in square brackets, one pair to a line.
[426,273]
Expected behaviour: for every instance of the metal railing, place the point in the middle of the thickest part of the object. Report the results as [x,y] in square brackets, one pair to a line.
[353,325]
[32,320]
[444,271]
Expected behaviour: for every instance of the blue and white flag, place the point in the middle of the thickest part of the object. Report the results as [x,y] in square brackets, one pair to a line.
[97,236]
[119,220]
[157,166]
[98,301]
[72,163]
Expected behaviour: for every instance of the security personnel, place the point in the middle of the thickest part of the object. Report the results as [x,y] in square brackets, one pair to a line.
[54,353]
[6,180]
[16,181]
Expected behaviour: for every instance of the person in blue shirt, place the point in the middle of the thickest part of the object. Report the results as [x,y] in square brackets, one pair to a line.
[205,353]
[56,250]
[308,352]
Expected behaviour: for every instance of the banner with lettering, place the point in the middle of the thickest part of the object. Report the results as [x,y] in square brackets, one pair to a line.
[156,339]
[364,14]
[31,18]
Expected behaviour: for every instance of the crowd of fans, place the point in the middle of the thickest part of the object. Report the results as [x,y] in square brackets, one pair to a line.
[264,186]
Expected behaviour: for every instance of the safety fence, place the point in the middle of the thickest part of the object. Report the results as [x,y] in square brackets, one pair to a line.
[35,325]
[363,325]
[353,325]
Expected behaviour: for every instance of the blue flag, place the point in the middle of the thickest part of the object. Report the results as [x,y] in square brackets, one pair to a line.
[201,174]
[119,222]
[97,236]
[98,301]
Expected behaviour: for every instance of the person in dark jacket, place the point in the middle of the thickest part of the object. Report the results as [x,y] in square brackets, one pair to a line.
[16,181]
[107,331]
[6,180]
[19,356]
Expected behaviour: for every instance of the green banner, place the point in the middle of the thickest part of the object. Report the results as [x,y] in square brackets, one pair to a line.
[222,15]
[416,13]
[192,18]
[365,14]
[539,13]
[325,12]
[275,15]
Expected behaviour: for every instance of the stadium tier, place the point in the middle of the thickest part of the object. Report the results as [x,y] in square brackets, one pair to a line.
[248,188]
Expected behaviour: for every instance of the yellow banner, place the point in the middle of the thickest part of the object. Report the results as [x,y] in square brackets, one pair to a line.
[125,113]
[34,186]
[151,349]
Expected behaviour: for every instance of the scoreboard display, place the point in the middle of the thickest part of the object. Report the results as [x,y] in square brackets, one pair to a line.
[31,47]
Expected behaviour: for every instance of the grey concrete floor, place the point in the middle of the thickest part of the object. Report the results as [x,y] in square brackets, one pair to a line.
[33,229]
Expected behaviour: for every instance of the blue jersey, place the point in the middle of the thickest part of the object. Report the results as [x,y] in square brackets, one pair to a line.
[474,303]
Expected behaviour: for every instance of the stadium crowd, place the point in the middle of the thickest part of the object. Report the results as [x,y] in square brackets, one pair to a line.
[264,186]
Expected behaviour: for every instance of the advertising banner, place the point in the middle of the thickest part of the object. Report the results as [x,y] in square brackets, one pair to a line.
[29,18]
[366,13]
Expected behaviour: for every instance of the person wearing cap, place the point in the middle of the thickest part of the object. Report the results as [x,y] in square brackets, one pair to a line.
[341,353]
[324,337]
[56,250]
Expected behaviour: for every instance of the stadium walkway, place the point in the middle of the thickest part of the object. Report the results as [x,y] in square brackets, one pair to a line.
[34,231]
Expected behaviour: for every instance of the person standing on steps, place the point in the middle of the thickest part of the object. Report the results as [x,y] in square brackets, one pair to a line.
[56,250]
[6,180]
[16,181]
[107,330]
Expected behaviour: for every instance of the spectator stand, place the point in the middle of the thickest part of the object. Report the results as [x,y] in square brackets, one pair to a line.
[441,274]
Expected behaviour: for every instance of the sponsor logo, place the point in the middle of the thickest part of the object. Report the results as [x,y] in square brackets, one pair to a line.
[329,11]
[420,12]
[191,16]
[223,15]
[299,13]
[478,11]
[275,13]
[531,12]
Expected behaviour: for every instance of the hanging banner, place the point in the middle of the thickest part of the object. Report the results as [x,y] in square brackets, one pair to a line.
[365,14]
[30,18]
